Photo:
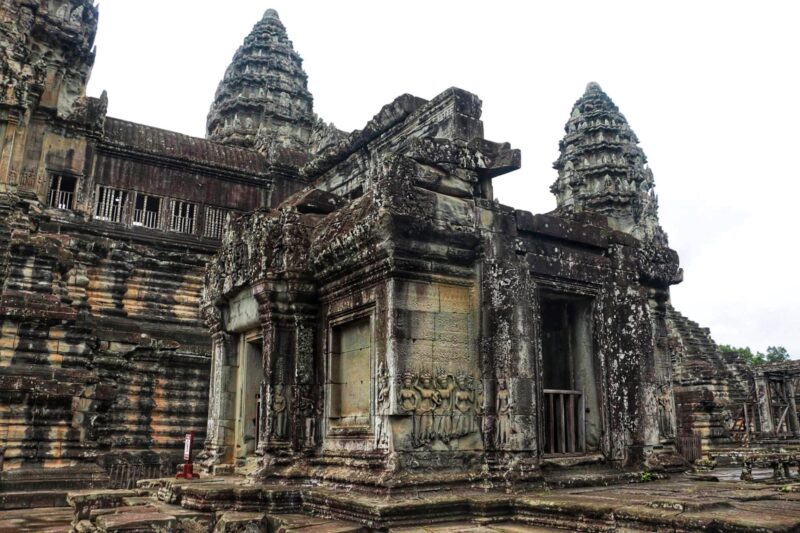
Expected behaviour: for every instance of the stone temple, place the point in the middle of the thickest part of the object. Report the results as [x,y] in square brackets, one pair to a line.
[340,316]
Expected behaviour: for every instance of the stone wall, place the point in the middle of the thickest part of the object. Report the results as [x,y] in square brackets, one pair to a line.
[102,348]
[105,230]
[399,231]
[370,315]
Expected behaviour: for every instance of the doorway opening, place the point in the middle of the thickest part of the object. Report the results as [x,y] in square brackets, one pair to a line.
[572,420]
[248,400]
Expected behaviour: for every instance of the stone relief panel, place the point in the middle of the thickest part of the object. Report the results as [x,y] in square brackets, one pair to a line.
[435,372]
[383,405]
[503,426]
[279,399]
[442,409]
[310,410]
[278,412]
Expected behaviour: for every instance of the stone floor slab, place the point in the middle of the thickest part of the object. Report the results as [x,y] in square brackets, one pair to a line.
[44,520]
[136,521]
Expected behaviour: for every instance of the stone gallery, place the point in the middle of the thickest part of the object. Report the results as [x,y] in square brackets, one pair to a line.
[351,311]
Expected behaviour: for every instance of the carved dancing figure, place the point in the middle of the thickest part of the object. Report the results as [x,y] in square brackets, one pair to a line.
[428,401]
[408,401]
[665,413]
[503,428]
[443,413]
[381,437]
[279,412]
[463,415]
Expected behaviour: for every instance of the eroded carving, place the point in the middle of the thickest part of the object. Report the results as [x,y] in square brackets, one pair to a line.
[443,411]
[278,412]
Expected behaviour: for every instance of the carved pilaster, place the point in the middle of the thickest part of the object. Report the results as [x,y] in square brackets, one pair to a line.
[307,412]
[218,445]
[7,173]
[290,409]
[267,419]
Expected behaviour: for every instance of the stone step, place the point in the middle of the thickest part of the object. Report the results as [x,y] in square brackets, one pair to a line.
[33,499]
[42,520]
[144,520]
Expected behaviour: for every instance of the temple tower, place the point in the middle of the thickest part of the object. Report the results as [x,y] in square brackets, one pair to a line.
[602,169]
[263,101]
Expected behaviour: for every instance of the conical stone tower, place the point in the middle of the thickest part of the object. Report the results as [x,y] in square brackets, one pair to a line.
[263,101]
[603,169]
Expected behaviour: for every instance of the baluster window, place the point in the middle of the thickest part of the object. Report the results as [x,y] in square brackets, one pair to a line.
[215,220]
[146,211]
[62,192]
[183,216]
[110,204]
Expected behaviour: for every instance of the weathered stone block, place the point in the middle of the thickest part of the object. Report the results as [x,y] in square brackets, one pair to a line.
[84,502]
[136,521]
[241,522]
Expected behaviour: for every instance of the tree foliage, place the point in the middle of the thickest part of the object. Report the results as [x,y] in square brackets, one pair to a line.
[774,354]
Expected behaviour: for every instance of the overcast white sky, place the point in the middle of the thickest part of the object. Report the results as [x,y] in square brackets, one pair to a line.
[711,89]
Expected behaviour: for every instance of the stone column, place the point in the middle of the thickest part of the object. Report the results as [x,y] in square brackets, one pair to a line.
[7,144]
[218,446]
[509,352]
[289,404]
[794,422]
[306,415]
[266,422]
[764,403]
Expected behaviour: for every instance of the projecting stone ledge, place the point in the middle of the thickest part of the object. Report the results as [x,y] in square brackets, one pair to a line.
[637,507]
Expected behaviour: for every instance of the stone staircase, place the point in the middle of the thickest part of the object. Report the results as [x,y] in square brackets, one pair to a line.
[710,387]
[132,510]
[155,507]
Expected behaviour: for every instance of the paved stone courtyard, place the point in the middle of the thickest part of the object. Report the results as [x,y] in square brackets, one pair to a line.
[44,519]
[670,505]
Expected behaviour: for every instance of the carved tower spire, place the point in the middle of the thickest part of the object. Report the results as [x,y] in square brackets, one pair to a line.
[602,169]
[263,101]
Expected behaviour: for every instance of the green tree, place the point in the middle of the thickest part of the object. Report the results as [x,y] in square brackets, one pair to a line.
[774,354]
[744,353]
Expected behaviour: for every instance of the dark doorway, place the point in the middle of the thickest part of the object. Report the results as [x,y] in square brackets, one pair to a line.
[248,401]
[572,421]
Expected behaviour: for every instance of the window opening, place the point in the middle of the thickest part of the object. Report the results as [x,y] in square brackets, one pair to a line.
[183,215]
[110,204]
[62,191]
[146,211]
[215,220]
